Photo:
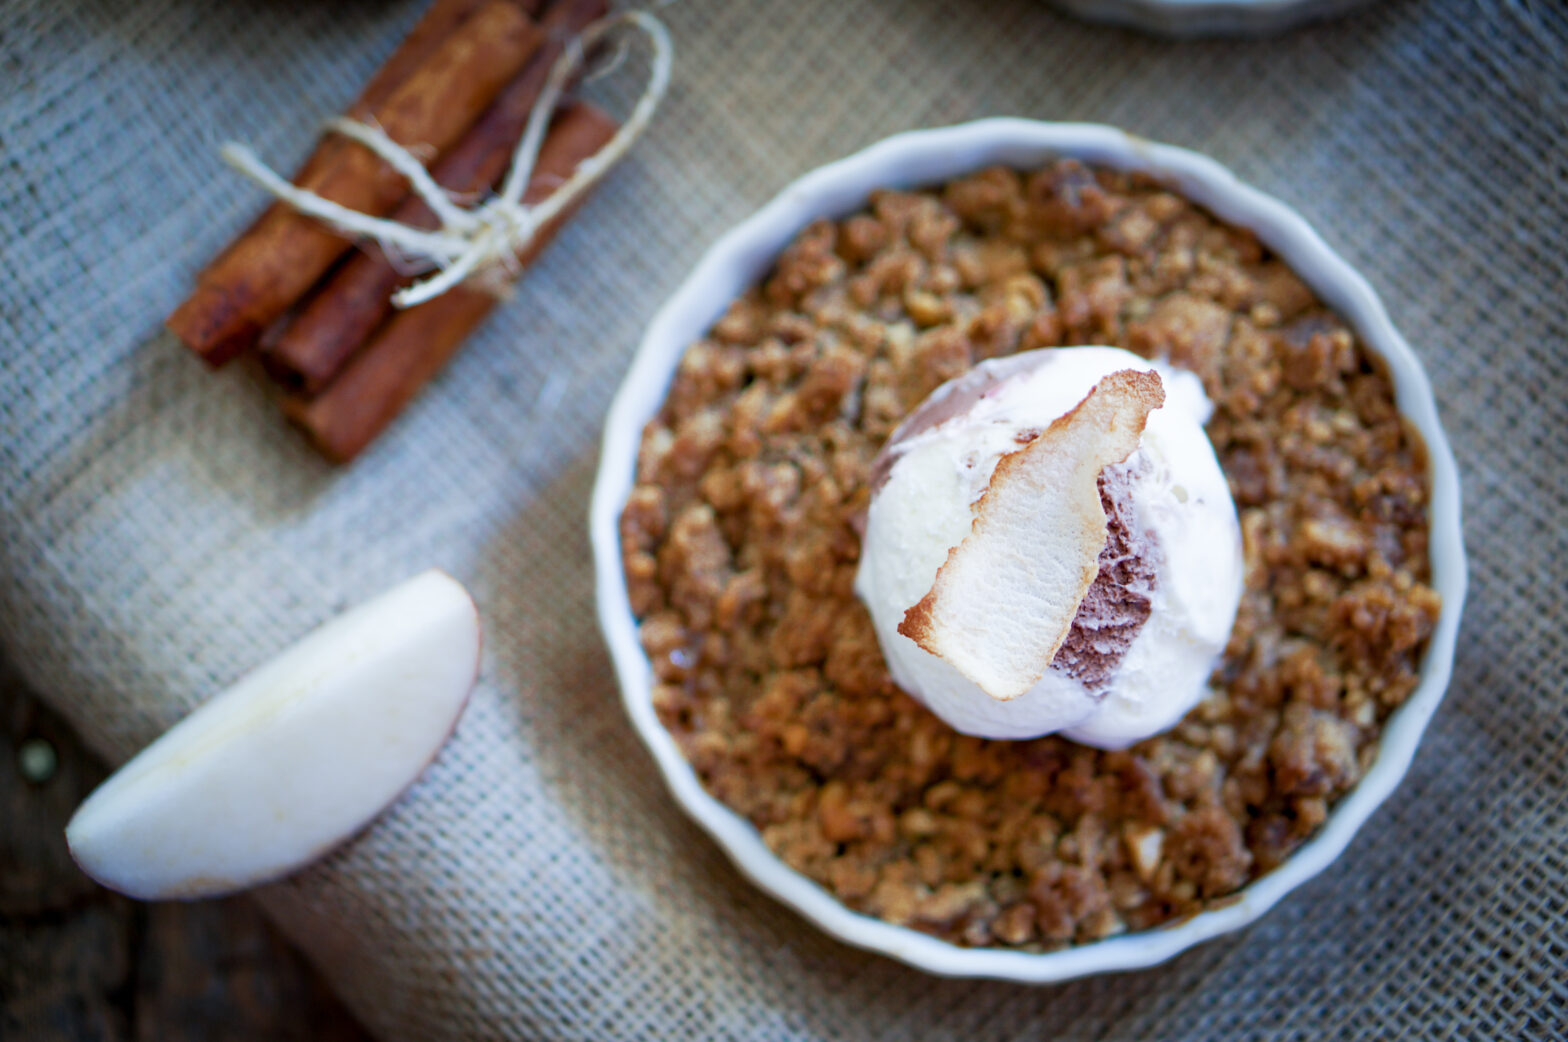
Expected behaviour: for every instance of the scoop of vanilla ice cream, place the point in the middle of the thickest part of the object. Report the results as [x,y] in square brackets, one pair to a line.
[1148,632]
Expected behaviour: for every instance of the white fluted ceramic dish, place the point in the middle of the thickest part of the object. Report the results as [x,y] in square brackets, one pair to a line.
[931,157]
[1185,19]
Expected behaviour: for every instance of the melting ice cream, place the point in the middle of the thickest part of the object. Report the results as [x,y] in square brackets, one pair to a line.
[1052,547]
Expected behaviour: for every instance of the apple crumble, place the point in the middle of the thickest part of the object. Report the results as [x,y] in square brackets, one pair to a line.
[741,542]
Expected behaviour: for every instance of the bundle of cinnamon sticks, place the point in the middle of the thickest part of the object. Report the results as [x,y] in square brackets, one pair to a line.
[459,90]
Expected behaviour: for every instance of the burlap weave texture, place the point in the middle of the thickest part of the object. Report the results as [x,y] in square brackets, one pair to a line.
[161,531]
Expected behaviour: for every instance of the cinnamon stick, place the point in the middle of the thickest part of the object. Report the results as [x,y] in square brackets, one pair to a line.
[438,23]
[411,346]
[349,304]
[269,268]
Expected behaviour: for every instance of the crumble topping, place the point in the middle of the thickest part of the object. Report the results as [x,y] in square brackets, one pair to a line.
[741,542]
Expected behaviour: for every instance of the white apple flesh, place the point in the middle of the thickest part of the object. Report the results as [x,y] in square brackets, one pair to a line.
[294,758]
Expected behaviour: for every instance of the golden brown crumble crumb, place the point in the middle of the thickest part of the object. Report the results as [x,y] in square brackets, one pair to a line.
[741,542]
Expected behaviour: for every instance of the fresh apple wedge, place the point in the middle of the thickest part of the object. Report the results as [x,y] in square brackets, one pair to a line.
[294,758]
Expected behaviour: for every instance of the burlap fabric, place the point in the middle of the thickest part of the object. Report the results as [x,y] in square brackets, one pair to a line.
[162,530]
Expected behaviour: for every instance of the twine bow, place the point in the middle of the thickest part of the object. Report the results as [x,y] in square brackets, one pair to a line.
[488,235]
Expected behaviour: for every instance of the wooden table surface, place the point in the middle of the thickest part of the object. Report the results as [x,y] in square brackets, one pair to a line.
[78,962]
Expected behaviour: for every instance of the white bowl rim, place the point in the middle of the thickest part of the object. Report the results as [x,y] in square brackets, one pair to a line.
[1186,19]
[925,157]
